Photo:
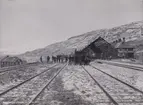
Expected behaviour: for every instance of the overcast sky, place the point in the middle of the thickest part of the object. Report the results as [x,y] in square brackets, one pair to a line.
[30,24]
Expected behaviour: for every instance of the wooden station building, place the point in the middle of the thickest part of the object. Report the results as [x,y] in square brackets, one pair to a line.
[98,49]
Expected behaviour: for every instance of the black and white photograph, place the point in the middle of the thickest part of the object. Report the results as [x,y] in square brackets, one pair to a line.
[71,52]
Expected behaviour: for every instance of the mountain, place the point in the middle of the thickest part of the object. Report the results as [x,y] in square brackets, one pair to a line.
[131,32]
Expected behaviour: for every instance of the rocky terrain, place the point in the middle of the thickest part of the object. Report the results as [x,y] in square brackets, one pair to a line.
[133,33]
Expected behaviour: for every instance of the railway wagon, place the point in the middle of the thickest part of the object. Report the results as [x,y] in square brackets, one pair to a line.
[11,61]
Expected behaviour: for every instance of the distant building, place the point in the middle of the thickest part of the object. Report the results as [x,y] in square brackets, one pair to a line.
[125,50]
[11,61]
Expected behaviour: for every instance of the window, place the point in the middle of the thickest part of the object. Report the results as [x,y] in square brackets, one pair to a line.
[130,49]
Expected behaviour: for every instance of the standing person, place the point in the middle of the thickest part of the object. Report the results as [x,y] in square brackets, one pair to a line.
[48,59]
[52,59]
[70,61]
[66,58]
[58,59]
[41,59]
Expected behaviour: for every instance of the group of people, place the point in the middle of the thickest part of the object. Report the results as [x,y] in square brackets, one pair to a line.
[72,59]
[47,59]
[59,59]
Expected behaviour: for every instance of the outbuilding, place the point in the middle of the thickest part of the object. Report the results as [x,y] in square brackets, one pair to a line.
[11,61]
[125,50]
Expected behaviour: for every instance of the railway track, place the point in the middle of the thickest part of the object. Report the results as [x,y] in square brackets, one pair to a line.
[118,80]
[13,77]
[14,68]
[19,84]
[31,86]
[107,94]
[126,66]
[134,95]
[44,87]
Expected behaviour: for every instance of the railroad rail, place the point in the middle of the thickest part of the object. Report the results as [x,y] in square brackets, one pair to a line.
[134,88]
[18,85]
[107,94]
[44,87]
[14,68]
[3,71]
[126,66]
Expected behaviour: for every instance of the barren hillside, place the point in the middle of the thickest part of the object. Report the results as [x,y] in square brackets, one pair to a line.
[132,33]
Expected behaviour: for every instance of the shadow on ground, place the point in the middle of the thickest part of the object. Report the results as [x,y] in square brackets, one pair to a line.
[66,97]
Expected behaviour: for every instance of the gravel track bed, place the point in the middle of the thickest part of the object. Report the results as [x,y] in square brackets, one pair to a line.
[120,92]
[73,87]
[132,77]
[20,66]
[26,91]
[11,78]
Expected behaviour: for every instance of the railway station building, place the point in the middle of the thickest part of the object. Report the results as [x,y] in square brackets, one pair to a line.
[98,49]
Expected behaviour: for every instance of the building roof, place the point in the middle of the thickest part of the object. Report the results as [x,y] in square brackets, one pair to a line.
[82,44]
[123,45]
[10,59]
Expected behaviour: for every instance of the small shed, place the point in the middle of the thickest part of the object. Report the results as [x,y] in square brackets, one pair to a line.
[11,61]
